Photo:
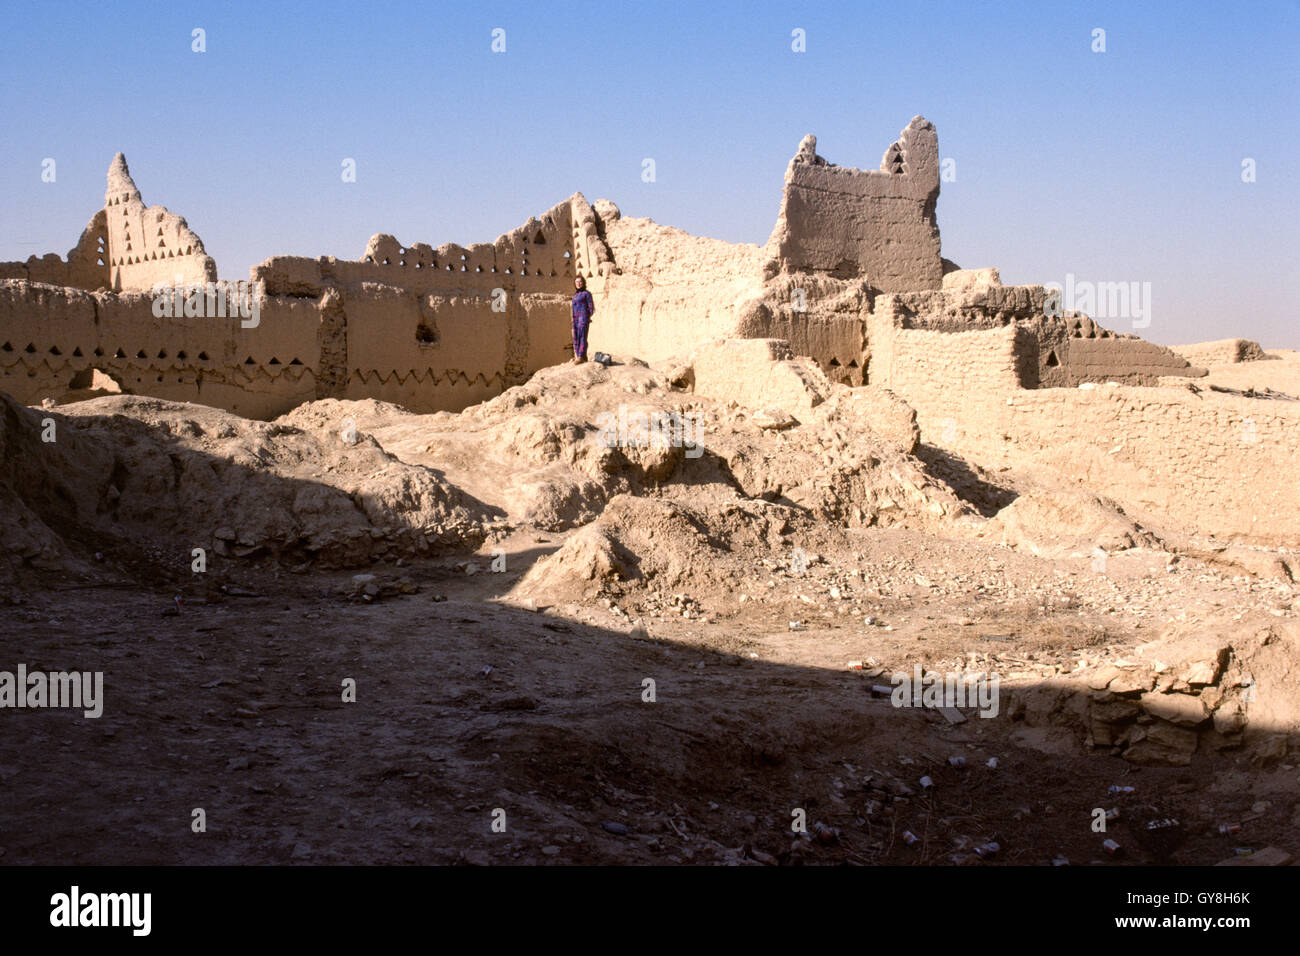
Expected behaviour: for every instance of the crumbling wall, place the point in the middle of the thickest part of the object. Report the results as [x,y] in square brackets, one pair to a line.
[877,224]
[1190,462]
[86,265]
[542,255]
[1222,352]
[1072,356]
[672,290]
[148,246]
[922,362]
[52,336]
[1058,351]
[758,373]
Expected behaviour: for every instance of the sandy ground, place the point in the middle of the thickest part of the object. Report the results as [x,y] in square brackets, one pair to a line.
[235,706]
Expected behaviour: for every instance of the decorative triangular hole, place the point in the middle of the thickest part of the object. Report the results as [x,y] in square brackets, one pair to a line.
[1052,360]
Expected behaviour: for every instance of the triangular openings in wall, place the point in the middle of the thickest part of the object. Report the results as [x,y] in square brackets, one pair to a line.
[539,239]
[162,353]
[295,362]
[274,361]
[1052,360]
[119,354]
[181,355]
[54,350]
[76,353]
[140,354]
[6,347]
[31,349]
[203,356]
[249,361]
[99,353]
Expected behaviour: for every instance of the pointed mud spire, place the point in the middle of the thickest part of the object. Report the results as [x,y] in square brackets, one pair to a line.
[121,188]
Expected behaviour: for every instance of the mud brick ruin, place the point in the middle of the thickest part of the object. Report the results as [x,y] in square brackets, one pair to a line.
[851,277]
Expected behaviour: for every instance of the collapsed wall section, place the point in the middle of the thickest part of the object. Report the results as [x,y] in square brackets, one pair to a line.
[1054,352]
[672,290]
[86,265]
[1202,463]
[876,224]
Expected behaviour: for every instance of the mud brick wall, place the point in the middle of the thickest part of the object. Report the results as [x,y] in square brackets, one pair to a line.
[920,363]
[1193,463]
[878,224]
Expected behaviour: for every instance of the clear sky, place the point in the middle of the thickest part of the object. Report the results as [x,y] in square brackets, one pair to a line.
[1123,165]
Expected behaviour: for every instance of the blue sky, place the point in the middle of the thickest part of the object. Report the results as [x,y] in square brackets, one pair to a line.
[1117,166]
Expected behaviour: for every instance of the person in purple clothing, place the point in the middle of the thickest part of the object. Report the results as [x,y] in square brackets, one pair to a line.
[583,308]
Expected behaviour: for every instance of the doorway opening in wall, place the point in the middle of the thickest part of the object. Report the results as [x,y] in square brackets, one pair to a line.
[95,380]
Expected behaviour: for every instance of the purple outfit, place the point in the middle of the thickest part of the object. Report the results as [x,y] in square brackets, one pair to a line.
[583,308]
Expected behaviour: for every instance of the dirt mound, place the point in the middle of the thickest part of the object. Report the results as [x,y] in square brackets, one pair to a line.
[162,478]
[1066,521]
[655,543]
[554,451]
